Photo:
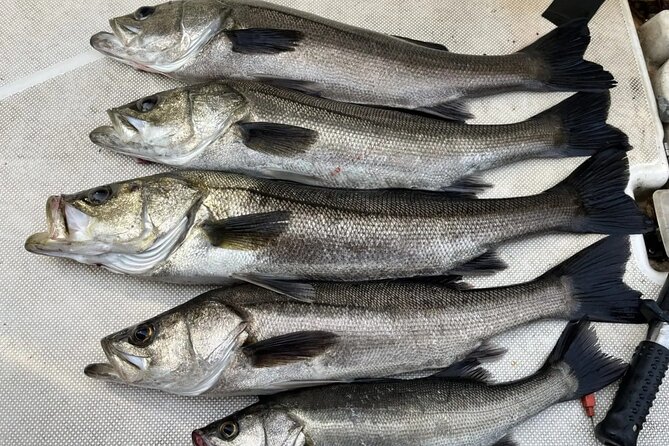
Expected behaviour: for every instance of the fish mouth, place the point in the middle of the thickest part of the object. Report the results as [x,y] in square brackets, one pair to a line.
[200,439]
[118,361]
[123,136]
[67,228]
[116,44]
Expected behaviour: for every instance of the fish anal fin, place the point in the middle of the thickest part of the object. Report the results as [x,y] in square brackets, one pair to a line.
[487,263]
[263,40]
[506,441]
[470,368]
[455,110]
[277,139]
[306,87]
[291,347]
[250,231]
[297,290]
[471,184]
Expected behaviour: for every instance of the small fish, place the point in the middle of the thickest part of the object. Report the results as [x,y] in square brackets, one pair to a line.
[213,227]
[206,40]
[428,411]
[246,340]
[260,130]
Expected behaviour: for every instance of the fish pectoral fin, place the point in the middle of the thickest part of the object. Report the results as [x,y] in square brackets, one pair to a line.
[246,231]
[468,186]
[470,368]
[297,290]
[434,46]
[290,347]
[263,40]
[306,87]
[506,441]
[487,263]
[277,139]
[455,110]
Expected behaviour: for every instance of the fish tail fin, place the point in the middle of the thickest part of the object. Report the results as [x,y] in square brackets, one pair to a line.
[594,280]
[597,187]
[583,126]
[560,52]
[578,349]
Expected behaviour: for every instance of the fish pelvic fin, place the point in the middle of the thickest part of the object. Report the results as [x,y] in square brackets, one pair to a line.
[578,349]
[584,130]
[598,188]
[291,347]
[560,52]
[594,280]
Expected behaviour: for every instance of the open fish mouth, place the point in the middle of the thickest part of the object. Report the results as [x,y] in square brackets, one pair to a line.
[67,229]
[124,135]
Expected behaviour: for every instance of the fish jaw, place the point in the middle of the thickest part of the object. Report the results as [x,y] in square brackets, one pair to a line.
[123,367]
[68,232]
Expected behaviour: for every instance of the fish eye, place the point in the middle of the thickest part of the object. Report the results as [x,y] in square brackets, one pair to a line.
[144,12]
[99,195]
[142,335]
[147,104]
[228,429]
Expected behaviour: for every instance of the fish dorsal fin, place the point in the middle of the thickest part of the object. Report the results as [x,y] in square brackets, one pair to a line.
[290,347]
[297,290]
[263,40]
[487,263]
[455,110]
[250,231]
[277,139]
[434,46]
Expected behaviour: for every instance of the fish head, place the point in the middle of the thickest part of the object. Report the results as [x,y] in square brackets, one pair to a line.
[161,38]
[257,425]
[128,227]
[182,351]
[171,127]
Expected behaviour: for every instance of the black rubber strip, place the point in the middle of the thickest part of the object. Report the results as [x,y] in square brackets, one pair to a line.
[562,11]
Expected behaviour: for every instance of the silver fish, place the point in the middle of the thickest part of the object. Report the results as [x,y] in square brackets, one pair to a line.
[211,227]
[427,411]
[202,40]
[260,130]
[246,340]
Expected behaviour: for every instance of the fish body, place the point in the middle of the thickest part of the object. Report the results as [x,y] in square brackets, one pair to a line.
[260,130]
[419,412]
[206,40]
[211,227]
[351,331]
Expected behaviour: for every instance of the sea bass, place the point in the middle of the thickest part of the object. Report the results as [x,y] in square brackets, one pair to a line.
[213,227]
[203,40]
[260,130]
[246,340]
[428,411]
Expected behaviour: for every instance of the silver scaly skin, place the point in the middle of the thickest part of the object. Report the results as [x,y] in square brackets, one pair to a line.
[260,130]
[210,227]
[247,340]
[202,40]
[425,412]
